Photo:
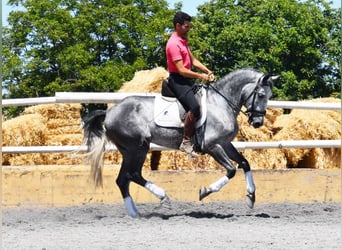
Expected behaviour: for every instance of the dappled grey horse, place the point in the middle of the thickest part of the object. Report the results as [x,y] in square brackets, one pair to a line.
[131,127]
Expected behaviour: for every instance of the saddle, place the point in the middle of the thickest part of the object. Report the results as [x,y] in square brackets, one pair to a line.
[169,112]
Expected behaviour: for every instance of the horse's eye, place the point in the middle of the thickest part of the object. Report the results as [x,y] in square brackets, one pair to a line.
[261,93]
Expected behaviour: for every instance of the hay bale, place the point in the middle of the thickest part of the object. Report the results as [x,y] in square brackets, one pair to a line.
[261,158]
[67,111]
[27,160]
[146,81]
[59,124]
[310,125]
[48,125]
[25,130]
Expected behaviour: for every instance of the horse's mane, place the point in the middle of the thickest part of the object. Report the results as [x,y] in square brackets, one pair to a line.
[236,75]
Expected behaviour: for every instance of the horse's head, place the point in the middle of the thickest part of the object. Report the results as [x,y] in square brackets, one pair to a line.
[256,98]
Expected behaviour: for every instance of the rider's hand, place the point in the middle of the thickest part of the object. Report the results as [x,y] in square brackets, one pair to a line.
[207,78]
[211,77]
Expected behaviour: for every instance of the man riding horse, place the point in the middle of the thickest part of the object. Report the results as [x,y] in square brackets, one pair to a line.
[132,127]
[179,63]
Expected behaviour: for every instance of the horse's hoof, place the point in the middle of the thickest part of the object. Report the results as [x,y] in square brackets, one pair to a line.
[165,202]
[134,215]
[131,208]
[203,192]
[250,200]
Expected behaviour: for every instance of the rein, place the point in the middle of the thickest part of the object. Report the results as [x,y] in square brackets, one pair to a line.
[238,109]
[232,105]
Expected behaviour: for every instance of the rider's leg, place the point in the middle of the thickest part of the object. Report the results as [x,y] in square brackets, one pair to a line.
[189,125]
[182,88]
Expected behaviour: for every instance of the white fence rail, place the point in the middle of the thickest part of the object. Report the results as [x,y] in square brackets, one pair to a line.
[155,147]
[103,97]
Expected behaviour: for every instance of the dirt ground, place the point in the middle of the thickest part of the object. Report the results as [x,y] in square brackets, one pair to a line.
[183,226]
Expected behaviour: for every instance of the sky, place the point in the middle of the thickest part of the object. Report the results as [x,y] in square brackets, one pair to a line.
[189,6]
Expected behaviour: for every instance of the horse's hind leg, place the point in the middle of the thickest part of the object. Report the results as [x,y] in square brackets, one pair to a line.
[123,181]
[131,168]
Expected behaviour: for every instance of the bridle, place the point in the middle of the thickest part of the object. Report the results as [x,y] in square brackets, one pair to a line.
[250,112]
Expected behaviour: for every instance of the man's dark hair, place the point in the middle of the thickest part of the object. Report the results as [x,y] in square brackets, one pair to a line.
[180,18]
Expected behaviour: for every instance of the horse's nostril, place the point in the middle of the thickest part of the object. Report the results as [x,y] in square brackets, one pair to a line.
[257,124]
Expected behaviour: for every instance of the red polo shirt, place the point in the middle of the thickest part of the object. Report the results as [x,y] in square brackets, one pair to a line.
[177,49]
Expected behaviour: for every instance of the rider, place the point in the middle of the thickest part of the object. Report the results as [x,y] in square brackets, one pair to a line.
[179,63]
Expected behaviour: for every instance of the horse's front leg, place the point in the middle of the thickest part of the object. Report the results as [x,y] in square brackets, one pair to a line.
[223,154]
[243,163]
[219,154]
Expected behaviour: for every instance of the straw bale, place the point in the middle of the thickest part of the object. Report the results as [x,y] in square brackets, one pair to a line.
[75,123]
[54,129]
[321,158]
[56,111]
[27,160]
[146,81]
[63,159]
[261,158]
[65,140]
[59,124]
[25,130]
[176,160]
[51,124]
[113,157]
[310,125]
[65,131]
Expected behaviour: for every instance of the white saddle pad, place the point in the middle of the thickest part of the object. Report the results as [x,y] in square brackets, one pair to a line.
[167,112]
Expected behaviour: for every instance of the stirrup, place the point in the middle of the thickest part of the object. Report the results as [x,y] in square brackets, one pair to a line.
[186,147]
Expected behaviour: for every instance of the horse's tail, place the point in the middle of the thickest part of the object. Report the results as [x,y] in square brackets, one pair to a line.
[95,138]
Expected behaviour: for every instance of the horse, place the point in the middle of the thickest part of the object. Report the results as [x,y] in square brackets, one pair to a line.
[131,127]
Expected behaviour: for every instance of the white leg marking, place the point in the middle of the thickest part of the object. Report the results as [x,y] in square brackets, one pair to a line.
[249,182]
[130,206]
[216,186]
[154,189]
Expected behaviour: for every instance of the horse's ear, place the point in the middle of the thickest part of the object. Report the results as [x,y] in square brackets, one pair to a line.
[265,80]
[275,78]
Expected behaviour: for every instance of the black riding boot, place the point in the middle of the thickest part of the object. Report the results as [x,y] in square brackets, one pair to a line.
[189,125]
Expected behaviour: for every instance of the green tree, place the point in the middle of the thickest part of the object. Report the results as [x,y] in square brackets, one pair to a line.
[94,45]
[86,45]
[298,39]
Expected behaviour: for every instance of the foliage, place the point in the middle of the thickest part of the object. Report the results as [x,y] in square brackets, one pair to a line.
[68,45]
[299,39]
[96,45]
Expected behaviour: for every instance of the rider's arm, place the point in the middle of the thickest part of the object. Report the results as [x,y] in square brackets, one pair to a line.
[197,64]
[189,73]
